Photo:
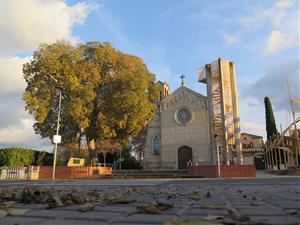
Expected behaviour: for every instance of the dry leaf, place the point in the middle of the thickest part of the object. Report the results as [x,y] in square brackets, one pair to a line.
[256,198]
[170,222]
[117,199]
[208,194]
[196,222]
[163,205]
[149,209]
[216,206]
[87,207]
[256,203]
[213,217]
[291,211]
[17,212]
[3,213]
[78,198]
[55,201]
[234,214]
[7,204]
[194,196]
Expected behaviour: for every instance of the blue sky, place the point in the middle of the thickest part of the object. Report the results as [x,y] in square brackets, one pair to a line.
[173,37]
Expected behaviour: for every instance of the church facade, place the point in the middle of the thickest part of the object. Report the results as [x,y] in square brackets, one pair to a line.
[179,132]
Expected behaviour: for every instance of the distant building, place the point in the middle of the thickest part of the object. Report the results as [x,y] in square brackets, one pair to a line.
[251,142]
[252,146]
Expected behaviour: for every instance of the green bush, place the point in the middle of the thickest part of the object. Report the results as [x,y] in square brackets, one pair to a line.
[23,157]
[16,157]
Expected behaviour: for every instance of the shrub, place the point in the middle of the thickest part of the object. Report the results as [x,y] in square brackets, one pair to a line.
[16,157]
[23,157]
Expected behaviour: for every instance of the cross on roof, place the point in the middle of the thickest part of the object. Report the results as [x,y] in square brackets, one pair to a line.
[182,77]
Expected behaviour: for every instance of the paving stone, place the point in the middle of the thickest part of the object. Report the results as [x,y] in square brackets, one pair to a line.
[21,221]
[203,212]
[70,214]
[276,220]
[260,211]
[275,199]
[142,219]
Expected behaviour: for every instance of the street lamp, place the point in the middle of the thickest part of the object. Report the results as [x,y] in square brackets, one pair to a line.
[56,137]
[218,155]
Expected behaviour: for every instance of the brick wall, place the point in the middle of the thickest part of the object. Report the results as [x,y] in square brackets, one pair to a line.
[226,171]
[75,172]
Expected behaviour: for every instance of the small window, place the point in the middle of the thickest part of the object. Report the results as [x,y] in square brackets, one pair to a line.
[156,145]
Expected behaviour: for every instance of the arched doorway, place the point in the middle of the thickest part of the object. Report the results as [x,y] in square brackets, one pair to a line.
[185,154]
[259,161]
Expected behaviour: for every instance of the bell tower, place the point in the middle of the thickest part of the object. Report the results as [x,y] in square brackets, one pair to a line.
[164,90]
[224,120]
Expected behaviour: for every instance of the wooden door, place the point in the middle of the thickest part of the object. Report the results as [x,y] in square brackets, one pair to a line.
[185,154]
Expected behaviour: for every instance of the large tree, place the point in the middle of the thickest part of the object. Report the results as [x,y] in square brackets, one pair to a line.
[107,95]
[270,120]
[60,67]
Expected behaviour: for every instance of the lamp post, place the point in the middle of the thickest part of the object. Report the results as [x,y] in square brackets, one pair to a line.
[218,155]
[56,137]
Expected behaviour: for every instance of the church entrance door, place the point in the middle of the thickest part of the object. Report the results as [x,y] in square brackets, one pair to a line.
[185,154]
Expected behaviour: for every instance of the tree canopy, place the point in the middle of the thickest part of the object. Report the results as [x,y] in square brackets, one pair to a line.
[270,120]
[106,94]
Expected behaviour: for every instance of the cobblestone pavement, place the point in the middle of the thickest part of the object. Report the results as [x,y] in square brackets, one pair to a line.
[229,201]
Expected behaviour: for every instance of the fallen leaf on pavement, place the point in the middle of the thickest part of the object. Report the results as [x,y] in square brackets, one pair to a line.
[149,209]
[54,202]
[256,203]
[208,194]
[194,196]
[291,211]
[17,212]
[7,204]
[78,198]
[212,217]
[117,199]
[3,213]
[190,222]
[87,207]
[235,215]
[216,206]
[256,198]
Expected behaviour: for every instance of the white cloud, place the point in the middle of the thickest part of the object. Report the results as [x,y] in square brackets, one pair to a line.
[11,74]
[231,39]
[254,128]
[278,41]
[25,24]
[282,4]
[21,135]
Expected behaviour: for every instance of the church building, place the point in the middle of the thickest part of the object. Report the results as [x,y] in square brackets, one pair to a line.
[179,132]
[191,128]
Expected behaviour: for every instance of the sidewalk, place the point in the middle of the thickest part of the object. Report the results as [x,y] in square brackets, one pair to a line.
[223,203]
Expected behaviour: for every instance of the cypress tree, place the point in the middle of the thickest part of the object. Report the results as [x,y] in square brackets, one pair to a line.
[270,120]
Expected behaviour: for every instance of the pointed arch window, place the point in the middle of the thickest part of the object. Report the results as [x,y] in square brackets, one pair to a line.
[156,145]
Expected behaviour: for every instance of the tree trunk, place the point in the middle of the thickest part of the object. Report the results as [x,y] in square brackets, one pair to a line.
[104,158]
[92,149]
[79,145]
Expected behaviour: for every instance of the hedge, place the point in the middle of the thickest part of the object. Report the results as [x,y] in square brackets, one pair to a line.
[23,157]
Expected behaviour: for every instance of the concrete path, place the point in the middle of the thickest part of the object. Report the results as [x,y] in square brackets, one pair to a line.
[255,201]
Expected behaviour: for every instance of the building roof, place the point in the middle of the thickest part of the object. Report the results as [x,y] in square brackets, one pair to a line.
[253,135]
[185,88]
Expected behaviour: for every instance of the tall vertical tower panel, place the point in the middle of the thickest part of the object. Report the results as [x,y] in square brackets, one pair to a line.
[224,121]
